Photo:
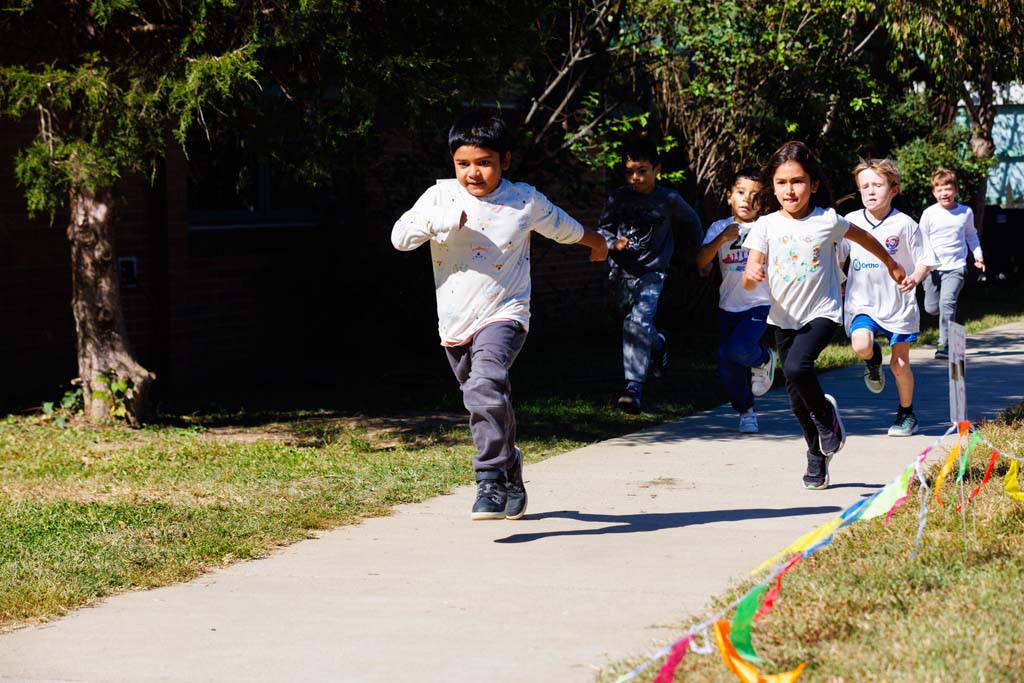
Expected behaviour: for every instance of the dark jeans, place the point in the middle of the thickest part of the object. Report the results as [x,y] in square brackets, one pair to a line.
[482,366]
[798,350]
[739,349]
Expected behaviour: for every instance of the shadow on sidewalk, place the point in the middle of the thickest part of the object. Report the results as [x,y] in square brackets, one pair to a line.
[628,524]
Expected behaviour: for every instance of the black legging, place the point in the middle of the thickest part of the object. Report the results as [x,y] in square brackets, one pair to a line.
[798,350]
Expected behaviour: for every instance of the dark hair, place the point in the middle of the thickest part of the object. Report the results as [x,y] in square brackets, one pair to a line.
[481,128]
[641,149]
[798,152]
[748,172]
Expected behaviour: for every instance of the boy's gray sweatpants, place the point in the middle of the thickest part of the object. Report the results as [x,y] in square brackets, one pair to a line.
[482,366]
[941,290]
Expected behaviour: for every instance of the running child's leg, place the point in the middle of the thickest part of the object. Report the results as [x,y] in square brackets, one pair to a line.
[805,347]
[952,281]
[638,327]
[784,341]
[735,376]
[901,372]
[482,368]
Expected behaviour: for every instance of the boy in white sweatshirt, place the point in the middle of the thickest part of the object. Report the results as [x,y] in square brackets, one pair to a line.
[478,225]
[949,228]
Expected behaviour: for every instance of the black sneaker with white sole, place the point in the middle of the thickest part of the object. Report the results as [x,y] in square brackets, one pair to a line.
[491,498]
[515,505]
[816,475]
[834,438]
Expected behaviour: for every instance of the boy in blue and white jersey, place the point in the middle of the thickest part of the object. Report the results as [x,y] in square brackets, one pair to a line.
[747,367]
[874,305]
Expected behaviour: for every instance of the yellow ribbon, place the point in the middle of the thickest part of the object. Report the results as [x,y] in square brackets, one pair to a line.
[1010,483]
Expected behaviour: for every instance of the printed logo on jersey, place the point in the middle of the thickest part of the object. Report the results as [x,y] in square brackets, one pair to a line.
[857,264]
[892,243]
[798,261]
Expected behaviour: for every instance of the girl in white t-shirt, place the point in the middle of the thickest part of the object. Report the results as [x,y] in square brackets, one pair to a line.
[747,367]
[793,246]
[873,305]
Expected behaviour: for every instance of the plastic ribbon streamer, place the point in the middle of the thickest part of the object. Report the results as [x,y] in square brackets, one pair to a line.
[964,461]
[1010,483]
[668,669]
[988,474]
[734,640]
[744,671]
[743,621]
[769,599]
[800,545]
[948,465]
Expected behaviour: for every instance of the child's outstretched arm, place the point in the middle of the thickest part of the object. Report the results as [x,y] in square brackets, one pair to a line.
[866,240]
[596,242]
[428,219]
[753,274]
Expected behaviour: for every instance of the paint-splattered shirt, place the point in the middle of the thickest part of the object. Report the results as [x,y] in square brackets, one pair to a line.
[801,267]
[482,269]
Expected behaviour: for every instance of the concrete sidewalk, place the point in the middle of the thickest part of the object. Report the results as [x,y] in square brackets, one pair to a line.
[623,540]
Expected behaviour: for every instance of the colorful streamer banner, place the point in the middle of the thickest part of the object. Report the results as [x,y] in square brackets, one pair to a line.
[735,639]
[747,672]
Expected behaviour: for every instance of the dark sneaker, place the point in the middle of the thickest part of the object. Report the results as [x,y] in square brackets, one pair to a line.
[659,359]
[835,439]
[515,507]
[629,402]
[905,425]
[942,352]
[874,378]
[816,476]
[491,498]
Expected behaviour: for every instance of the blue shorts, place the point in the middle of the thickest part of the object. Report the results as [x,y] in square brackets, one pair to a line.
[866,322]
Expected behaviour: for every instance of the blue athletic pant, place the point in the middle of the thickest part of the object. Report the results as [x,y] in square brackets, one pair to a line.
[739,349]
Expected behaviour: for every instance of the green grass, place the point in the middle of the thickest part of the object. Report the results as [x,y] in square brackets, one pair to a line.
[86,512]
[862,610]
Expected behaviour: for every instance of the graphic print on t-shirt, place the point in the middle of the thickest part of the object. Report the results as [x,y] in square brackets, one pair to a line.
[798,259]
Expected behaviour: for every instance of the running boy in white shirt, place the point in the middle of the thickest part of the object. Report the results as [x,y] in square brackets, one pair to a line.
[873,305]
[478,225]
[793,247]
[949,227]
[747,368]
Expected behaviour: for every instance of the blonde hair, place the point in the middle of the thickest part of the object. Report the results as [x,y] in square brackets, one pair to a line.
[884,167]
[944,176]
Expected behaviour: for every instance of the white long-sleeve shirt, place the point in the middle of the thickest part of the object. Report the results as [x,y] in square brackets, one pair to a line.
[951,232]
[482,269]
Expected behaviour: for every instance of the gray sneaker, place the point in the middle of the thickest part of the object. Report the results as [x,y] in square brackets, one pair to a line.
[835,438]
[905,425]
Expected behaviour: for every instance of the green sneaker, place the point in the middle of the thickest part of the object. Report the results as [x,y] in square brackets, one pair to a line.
[905,425]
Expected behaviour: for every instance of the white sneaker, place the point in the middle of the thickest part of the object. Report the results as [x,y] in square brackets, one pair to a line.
[763,376]
[748,422]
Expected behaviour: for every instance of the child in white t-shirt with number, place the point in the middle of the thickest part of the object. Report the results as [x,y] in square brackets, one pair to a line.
[747,367]
[873,305]
[794,248]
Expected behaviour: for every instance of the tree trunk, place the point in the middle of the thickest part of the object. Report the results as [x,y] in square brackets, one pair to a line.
[982,117]
[103,349]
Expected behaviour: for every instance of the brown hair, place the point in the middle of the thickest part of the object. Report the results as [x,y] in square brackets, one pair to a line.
[884,167]
[944,176]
